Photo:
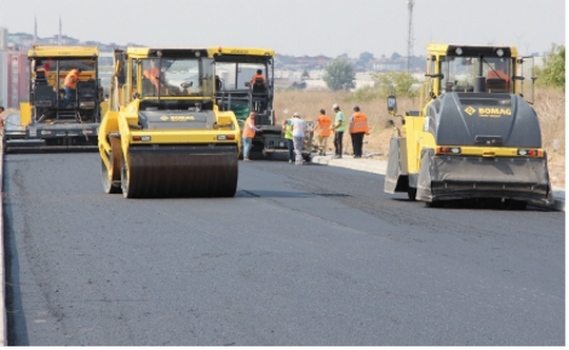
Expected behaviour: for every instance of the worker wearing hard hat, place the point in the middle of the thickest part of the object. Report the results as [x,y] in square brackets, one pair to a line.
[338,128]
[70,85]
[298,130]
[249,130]
[287,131]
[358,128]
[323,125]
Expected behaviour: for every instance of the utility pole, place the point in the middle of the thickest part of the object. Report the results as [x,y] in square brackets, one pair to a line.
[35,30]
[59,36]
[410,4]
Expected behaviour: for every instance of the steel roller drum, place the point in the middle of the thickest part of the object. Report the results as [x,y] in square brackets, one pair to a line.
[180,171]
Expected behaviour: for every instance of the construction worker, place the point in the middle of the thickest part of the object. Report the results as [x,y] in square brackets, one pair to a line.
[218,83]
[287,130]
[497,77]
[152,73]
[338,128]
[41,75]
[323,124]
[358,128]
[259,76]
[70,85]
[298,130]
[249,130]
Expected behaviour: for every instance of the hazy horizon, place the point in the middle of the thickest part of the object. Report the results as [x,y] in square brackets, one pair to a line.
[295,27]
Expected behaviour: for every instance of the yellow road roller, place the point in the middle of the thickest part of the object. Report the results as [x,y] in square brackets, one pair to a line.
[164,135]
[476,135]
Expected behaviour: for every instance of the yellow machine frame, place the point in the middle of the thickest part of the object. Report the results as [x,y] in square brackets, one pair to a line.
[417,136]
[54,51]
[120,129]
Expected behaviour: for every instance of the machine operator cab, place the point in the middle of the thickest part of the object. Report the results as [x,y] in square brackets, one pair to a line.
[466,69]
[478,69]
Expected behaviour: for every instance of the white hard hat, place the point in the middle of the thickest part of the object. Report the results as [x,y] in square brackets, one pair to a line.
[335,106]
[296,114]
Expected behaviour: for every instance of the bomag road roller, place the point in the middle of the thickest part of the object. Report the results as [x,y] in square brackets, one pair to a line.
[163,135]
[476,136]
[238,91]
[50,120]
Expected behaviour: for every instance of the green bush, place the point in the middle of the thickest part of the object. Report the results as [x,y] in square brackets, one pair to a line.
[553,72]
[395,83]
[339,75]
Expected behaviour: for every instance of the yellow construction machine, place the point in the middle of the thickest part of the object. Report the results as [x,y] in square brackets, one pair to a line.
[476,136]
[164,135]
[235,68]
[50,120]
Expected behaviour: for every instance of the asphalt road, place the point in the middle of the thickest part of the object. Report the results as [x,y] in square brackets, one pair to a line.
[303,255]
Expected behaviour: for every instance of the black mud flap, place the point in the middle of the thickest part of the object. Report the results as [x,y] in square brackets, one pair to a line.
[424,180]
[454,177]
[396,177]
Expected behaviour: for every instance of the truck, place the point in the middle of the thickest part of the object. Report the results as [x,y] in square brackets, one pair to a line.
[235,67]
[164,135]
[47,121]
[476,136]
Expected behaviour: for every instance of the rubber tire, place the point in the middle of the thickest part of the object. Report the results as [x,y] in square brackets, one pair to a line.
[108,186]
[437,204]
[124,180]
[412,193]
[517,205]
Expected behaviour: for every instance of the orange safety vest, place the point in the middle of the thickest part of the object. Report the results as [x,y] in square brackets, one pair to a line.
[324,124]
[359,123]
[498,74]
[152,74]
[248,131]
[71,79]
[257,76]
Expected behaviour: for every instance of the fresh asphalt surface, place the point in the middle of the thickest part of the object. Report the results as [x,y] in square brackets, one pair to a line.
[309,255]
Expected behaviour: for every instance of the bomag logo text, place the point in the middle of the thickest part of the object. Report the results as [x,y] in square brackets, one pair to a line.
[491,112]
[182,118]
[178,118]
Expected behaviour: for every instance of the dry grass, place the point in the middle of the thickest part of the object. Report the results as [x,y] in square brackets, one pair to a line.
[549,104]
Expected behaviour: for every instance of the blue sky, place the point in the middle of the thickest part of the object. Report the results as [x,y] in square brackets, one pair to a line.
[297,27]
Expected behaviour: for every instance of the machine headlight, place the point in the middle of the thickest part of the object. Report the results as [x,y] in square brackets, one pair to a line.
[530,152]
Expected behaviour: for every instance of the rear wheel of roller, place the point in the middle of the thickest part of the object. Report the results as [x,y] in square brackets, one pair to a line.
[109,185]
[111,177]
[125,180]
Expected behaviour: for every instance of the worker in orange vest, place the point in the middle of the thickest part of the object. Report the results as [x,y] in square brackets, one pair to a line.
[152,73]
[258,77]
[70,84]
[358,128]
[498,73]
[249,130]
[323,125]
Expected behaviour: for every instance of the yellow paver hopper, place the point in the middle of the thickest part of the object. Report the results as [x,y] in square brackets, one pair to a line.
[55,118]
